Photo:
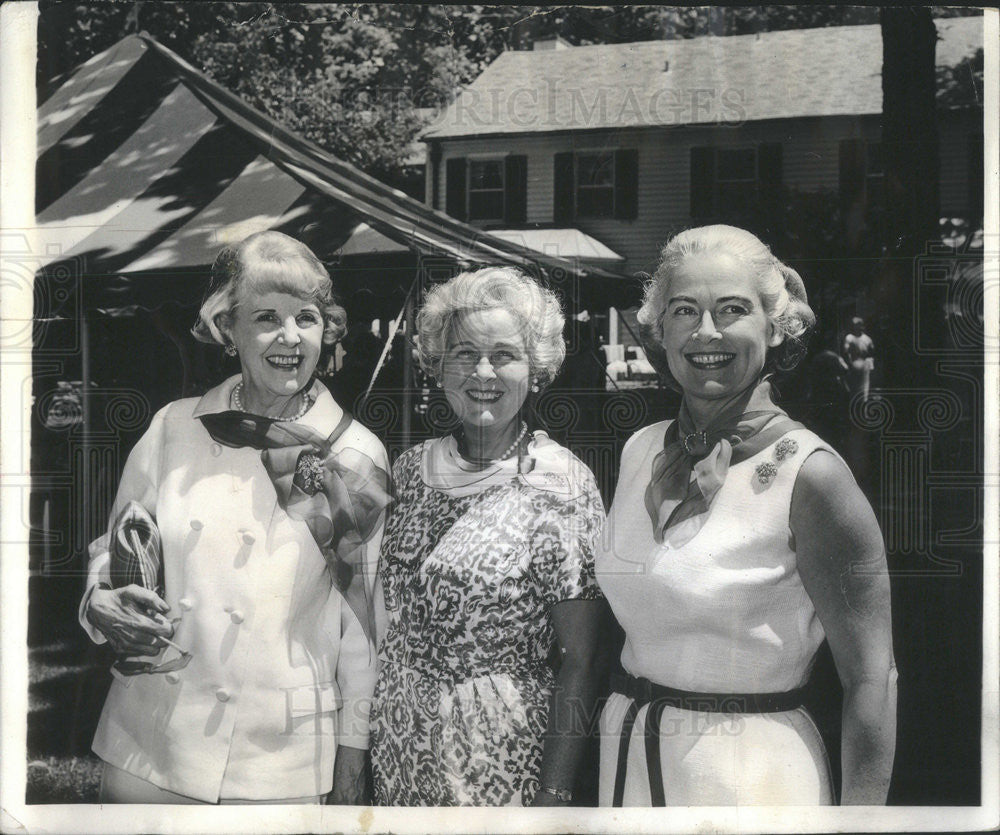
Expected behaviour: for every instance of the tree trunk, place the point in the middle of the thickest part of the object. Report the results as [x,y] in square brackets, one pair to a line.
[911,174]
[909,128]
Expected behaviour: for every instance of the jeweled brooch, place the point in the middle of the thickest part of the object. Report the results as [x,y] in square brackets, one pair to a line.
[309,473]
[785,448]
[766,472]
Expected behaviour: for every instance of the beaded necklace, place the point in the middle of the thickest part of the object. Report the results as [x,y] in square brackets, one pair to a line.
[507,453]
[306,403]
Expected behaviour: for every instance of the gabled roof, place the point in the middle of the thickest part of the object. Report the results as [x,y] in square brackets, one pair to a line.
[834,71]
[147,168]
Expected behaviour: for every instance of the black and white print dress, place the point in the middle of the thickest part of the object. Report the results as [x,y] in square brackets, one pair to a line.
[461,705]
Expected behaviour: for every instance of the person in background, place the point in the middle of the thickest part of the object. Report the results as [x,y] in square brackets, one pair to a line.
[737,542]
[488,569]
[268,702]
[859,351]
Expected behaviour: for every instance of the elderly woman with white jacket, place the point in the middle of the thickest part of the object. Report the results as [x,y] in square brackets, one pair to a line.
[257,664]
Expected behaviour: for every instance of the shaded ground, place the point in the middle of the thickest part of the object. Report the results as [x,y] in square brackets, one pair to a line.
[68,679]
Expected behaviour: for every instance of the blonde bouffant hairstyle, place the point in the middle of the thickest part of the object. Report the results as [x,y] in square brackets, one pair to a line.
[536,309]
[781,289]
[267,262]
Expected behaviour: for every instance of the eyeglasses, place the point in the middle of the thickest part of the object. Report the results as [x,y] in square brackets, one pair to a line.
[138,668]
[469,358]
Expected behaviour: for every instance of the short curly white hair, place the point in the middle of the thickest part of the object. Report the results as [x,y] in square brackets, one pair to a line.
[781,289]
[536,308]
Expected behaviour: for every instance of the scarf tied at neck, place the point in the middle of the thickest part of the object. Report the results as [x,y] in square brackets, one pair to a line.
[339,495]
[692,466]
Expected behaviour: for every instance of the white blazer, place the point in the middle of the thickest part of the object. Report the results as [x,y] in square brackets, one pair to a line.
[281,669]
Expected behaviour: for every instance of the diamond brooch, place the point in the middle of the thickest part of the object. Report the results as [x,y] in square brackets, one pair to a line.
[309,473]
[785,448]
[766,472]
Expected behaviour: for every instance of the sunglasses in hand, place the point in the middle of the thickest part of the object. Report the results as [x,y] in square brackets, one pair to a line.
[136,668]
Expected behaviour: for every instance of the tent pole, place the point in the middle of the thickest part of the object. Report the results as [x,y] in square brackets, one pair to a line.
[391,330]
[408,366]
[622,320]
[87,409]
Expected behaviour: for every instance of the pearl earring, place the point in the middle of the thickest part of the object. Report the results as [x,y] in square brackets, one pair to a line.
[535,387]
[230,349]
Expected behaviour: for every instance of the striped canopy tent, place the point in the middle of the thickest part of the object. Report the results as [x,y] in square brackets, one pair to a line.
[146,168]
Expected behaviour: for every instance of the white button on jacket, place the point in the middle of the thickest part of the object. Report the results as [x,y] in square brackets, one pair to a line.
[281,670]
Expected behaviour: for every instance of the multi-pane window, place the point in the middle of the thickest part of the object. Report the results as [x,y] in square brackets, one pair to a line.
[489,190]
[735,179]
[595,184]
[486,189]
[735,184]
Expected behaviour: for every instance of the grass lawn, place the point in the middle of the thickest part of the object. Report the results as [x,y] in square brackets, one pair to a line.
[68,679]
[63,780]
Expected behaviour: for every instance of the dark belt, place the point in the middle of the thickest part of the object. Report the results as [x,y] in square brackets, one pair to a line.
[644,692]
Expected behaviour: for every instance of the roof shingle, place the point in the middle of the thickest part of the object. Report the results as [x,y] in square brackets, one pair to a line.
[830,71]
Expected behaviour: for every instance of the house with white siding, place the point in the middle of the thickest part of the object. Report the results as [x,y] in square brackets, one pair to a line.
[624,144]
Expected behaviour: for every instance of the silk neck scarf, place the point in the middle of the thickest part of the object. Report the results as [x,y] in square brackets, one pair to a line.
[339,495]
[737,433]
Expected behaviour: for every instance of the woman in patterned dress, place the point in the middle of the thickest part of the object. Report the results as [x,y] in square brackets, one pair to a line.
[487,566]
[738,542]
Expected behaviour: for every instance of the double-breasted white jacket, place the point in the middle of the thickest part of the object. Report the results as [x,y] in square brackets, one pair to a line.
[281,670]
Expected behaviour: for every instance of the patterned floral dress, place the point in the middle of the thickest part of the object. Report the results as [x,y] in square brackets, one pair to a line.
[462,699]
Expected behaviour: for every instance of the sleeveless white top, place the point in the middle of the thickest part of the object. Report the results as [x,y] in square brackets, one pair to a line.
[725,612]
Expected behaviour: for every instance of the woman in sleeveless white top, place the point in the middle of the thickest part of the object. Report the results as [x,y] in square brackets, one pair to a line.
[737,541]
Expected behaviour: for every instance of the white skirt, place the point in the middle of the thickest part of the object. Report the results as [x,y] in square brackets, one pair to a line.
[719,759]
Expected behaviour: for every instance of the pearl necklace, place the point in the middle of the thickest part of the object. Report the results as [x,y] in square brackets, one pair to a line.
[306,403]
[506,453]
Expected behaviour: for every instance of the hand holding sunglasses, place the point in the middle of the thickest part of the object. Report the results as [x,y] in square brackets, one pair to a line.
[134,610]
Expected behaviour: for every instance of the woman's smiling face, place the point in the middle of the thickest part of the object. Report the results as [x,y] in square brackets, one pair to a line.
[279,337]
[485,369]
[715,331]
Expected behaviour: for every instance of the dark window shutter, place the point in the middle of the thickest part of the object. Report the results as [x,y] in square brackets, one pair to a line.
[515,181]
[852,171]
[562,202]
[769,171]
[702,182]
[627,184]
[769,178]
[455,187]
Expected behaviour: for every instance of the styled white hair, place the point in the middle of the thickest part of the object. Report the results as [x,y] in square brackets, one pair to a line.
[536,309]
[781,290]
[261,263]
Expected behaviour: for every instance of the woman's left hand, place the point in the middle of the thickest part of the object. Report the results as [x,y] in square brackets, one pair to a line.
[350,783]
